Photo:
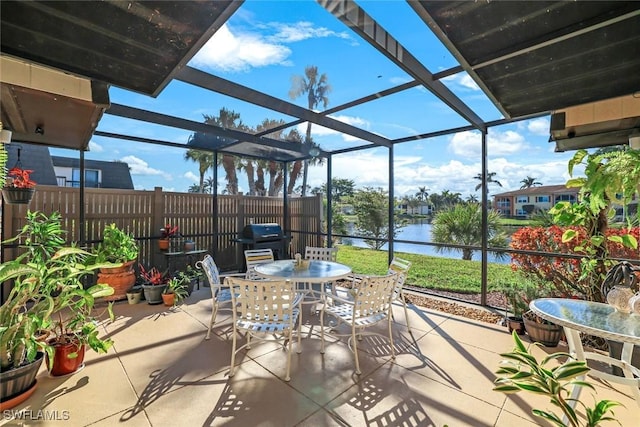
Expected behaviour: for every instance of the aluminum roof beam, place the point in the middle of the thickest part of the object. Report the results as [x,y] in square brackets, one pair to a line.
[217,84]
[366,27]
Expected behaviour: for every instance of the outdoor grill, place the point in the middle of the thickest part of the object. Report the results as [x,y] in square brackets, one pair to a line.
[265,236]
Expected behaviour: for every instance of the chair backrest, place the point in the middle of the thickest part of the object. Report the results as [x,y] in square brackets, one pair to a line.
[400,266]
[322,254]
[211,271]
[373,295]
[262,300]
[254,257]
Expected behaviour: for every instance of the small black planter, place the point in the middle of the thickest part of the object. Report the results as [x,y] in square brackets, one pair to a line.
[18,196]
[515,323]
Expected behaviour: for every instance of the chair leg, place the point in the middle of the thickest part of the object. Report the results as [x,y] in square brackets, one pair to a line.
[299,350]
[393,353]
[289,348]
[355,349]
[322,332]
[406,312]
[233,352]
[213,320]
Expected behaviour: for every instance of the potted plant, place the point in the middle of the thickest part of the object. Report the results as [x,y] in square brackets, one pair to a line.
[76,329]
[154,283]
[174,292]
[18,187]
[513,293]
[191,277]
[166,233]
[523,372]
[120,249]
[47,280]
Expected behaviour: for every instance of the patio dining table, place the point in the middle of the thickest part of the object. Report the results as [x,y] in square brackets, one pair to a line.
[601,320]
[317,271]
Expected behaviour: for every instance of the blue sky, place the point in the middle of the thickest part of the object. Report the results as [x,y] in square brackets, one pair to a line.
[265,43]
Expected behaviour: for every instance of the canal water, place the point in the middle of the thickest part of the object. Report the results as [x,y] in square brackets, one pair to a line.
[420,232]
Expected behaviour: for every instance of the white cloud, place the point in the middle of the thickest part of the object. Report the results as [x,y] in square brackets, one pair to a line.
[321,131]
[466,81]
[538,126]
[226,51]
[468,144]
[192,177]
[94,147]
[234,49]
[298,31]
[140,167]
[462,80]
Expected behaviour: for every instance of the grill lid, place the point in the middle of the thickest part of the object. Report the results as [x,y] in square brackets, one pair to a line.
[261,232]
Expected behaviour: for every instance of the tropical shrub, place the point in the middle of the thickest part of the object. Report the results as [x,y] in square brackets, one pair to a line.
[567,273]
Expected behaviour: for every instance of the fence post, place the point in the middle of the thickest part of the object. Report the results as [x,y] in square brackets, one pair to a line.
[157,222]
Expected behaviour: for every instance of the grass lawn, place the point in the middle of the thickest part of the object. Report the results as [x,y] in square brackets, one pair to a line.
[429,272]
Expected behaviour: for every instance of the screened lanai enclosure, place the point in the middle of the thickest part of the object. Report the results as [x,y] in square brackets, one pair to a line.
[416,80]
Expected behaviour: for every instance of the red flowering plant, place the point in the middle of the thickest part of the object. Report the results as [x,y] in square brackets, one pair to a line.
[20,178]
[153,276]
[169,231]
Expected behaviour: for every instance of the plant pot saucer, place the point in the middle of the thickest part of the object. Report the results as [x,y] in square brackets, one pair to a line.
[18,399]
[80,368]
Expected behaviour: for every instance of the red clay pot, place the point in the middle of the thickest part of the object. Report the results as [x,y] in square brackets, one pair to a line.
[62,363]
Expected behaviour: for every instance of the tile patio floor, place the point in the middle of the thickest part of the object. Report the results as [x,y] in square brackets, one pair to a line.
[161,372]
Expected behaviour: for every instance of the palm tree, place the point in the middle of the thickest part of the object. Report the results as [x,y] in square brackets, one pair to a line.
[471,198]
[204,160]
[316,87]
[490,180]
[462,225]
[231,120]
[422,194]
[529,182]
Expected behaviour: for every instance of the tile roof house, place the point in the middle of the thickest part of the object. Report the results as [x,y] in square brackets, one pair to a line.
[525,201]
[65,171]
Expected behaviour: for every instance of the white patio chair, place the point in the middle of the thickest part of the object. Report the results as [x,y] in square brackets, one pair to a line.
[320,254]
[400,266]
[219,295]
[254,257]
[369,305]
[264,308]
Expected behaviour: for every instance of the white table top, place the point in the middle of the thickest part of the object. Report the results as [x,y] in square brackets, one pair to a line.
[318,271]
[594,318]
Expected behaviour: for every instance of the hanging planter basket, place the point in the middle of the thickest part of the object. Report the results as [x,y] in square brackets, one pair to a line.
[18,196]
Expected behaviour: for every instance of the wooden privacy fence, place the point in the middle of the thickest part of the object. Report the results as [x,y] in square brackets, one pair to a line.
[144,213]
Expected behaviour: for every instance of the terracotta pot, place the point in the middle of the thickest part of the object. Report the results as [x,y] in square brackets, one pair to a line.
[63,364]
[169,299]
[163,244]
[120,279]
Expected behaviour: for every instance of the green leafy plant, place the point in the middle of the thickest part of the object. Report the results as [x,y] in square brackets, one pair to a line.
[117,246]
[523,372]
[178,287]
[47,283]
[611,177]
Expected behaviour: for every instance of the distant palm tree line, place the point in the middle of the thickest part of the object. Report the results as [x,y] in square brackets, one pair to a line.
[264,177]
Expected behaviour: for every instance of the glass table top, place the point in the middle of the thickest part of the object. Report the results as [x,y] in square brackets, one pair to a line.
[317,271]
[590,317]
